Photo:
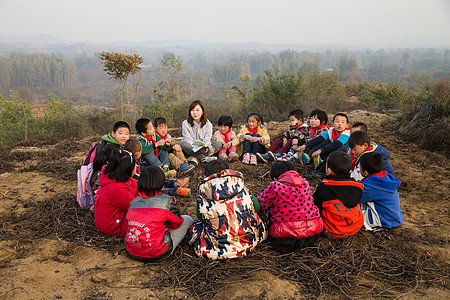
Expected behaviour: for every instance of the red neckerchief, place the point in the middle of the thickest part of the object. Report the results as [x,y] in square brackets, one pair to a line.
[252,131]
[333,133]
[355,159]
[151,194]
[151,139]
[379,174]
[164,137]
[138,169]
[226,138]
[313,131]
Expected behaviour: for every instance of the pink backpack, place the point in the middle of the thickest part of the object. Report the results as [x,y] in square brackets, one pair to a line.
[85,195]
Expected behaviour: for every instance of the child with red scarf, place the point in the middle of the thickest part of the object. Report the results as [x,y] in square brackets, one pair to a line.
[155,225]
[254,138]
[335,139]
[228,138]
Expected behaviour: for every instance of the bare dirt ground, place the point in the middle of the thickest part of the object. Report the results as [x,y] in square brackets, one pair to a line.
[49,248]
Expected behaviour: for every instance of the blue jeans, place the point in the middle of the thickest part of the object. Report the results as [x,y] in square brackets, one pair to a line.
[162,159]
[256,147]
[170,188]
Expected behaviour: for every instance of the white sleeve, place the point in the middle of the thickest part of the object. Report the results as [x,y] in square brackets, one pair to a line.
[186,131]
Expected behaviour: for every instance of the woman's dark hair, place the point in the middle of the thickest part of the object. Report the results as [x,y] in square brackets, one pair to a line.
[121,166]
[371,162]
[225,121]
[141,125]
[279,168]
[215,166]
[151,180]
[257,116]
[321,115]
[339,162]
[203,119]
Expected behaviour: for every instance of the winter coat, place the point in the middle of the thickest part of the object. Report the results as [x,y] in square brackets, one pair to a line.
[380,202]
[291,207]
[149,220]
[230,226]
[310,133]
[111,205]
[196,132]
[147,146]
[342,139]
[356,172]
[262,131]
[109,139]
[337,197]
[218,136]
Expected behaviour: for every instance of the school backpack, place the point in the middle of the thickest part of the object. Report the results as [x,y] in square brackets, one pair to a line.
[96,155]
[85,195]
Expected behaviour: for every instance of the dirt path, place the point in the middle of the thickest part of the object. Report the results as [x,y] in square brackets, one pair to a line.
[49,248]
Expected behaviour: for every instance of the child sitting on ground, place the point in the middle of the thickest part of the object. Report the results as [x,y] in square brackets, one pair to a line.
[155,226]
[338,196]
[229,223]
[294,219]
[335,139]
[359,144]
[254,138]
[317,125]
[380,202]
[174,152]
[283,143]
[150,151]
[117,190]
[228,138]
[172,187]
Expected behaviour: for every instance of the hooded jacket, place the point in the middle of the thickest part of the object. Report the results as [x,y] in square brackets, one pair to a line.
[381,190]
[109,139]
[337,197]
[230,226]
[291,206]
[111,204]
[149,220]
[356,172]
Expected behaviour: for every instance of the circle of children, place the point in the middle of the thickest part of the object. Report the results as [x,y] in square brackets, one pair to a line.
[133,189]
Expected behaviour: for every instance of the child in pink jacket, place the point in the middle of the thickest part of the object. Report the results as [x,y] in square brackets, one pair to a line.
[295,221]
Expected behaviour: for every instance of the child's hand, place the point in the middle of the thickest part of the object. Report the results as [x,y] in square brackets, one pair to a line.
[204,150]
[285,140]
[160,143]
[316,153]
[295,147]
[168,142]
[301,148]
[227,145]
[177,148]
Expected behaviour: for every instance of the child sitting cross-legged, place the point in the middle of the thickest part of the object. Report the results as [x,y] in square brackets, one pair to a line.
[229,223]
[295,221]
[338,196]
[155,225]
[228,138]
[254,138]
[380,202]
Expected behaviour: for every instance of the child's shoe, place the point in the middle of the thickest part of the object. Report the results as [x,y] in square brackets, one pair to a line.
[233,157]
[182,182]
[264,157]
[288,157]
[278,157]
[185,168]
[192,160]
[184,192]
[170,173]
[305,158]
[223,156]
[246,158]
[273,157]
[253,160]
[208,159]
[317,161]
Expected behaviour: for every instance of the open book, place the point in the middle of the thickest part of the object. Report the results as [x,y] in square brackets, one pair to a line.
[197,145]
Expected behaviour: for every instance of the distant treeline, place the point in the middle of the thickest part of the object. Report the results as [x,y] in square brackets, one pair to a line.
[37,71]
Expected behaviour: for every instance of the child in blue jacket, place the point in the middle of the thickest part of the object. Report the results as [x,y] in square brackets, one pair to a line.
[380,202]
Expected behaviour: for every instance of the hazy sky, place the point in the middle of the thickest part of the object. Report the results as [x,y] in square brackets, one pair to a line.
[379,23]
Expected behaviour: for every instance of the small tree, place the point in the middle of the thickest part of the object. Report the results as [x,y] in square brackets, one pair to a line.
[15,115]
[120,66]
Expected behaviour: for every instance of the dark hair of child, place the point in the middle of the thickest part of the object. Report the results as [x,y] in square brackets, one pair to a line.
[159,121]
[152,180]
[361,126]
[133,145]
[279,168]
[358,138]
[120,124]
[339,162]
[203,119]
[321,115]
[257,116]
[342,115]
[225,121]
[121,166]
[371,162]
[103,156]
[141,125]
[215,166]
[297,113]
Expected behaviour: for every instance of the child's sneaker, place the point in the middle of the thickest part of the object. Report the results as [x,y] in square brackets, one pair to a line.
[264,157]
[278,156]
[184,192]
[185,168]
[234,157]
[208,159]
[288,157]
[317,161]
[305,158]
[272,156]
[223,156]
[170,173]
[246,158]
[192,160]
[182,182]
[253,160]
